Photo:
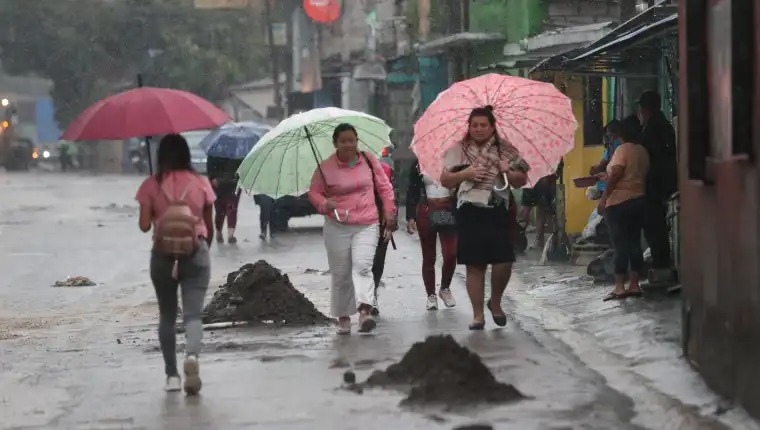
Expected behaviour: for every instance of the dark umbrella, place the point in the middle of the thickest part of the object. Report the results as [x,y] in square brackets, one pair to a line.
[234,141]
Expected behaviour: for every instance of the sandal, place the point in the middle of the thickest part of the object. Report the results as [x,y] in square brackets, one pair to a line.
[614,296]
[638,293]
[344,326]
[499,320]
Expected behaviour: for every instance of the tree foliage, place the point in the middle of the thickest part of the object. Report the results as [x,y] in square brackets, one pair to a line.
[92,48]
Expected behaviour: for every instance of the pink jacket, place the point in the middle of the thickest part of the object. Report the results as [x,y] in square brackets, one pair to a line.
[352,190]
[387,170]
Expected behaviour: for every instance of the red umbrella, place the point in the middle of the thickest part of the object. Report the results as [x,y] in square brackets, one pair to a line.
[145,112]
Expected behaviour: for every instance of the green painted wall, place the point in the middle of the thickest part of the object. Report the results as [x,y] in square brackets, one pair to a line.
[485,54]
[516,19]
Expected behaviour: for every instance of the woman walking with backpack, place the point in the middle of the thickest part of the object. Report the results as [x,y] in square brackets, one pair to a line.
[178,204]
[344,189]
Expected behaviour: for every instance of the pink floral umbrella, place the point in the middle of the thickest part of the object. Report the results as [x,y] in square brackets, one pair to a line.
[533,116]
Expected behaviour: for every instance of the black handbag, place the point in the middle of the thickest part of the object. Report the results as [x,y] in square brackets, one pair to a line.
[442,219]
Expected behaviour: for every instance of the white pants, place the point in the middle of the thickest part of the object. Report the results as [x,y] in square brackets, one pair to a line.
[350,253]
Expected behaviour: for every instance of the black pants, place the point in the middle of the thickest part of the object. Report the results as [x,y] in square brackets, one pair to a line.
[656,233]
[266,212]
[624,221]
[65,162]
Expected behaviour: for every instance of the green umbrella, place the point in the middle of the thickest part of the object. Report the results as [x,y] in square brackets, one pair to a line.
[284,160]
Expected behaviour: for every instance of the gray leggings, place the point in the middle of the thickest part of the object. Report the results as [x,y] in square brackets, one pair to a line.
[194,276]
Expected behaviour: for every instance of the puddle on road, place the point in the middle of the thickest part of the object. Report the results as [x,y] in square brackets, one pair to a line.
[223,346]
[114,208]
[15,222]
[342,363]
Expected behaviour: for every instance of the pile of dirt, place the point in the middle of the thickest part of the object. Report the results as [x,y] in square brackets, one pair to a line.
[257,293]
[440,371]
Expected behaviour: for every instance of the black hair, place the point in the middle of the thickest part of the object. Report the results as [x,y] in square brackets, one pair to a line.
[613,127]
[173,155]
[485,111]
[630,128]
[650,101]
[341,128]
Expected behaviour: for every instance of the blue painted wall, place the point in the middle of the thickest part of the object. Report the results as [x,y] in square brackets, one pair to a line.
[47,126]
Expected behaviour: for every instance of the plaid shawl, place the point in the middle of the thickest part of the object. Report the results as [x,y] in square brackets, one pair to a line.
[489,155]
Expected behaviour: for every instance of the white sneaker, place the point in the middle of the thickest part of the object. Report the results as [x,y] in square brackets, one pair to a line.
[447,297]
[432,303]
[192,376]
[173,384]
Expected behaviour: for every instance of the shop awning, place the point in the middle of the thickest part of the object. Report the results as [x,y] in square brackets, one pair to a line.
[458,40]
[610,54]
[532,50]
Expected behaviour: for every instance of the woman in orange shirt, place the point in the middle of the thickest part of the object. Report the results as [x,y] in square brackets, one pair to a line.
[623,206]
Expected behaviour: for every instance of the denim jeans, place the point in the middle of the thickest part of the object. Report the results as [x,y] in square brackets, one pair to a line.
[625,222]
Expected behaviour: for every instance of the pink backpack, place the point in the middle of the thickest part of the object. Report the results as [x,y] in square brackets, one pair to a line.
[175,229]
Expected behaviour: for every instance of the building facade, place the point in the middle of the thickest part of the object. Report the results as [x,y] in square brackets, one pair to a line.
[720,195]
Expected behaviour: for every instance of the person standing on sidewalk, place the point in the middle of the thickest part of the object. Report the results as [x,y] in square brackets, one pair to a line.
[542,197]
[430,213]
[344,189]
[223,177]
[659,139]
[177,203]
[485,220]
[623,205]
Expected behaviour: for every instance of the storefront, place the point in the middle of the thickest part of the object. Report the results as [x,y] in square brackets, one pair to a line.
[604,79]
[720,195]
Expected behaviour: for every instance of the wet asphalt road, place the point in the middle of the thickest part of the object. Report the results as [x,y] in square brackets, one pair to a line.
[87,358]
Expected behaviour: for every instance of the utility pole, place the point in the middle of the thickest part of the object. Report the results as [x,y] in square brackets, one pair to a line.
[424,19]
[274,58]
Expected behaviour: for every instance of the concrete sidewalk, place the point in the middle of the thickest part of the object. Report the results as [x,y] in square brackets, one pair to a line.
[634,344]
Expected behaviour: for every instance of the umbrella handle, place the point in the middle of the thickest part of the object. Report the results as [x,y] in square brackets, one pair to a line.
[506,184]
[337,216]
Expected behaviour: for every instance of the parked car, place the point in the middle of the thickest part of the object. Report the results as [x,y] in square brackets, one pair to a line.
[197,151]
[289,207]
[20,155]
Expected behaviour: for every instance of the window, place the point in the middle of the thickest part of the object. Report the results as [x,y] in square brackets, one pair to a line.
[697,108]
[743,75]
[593,132]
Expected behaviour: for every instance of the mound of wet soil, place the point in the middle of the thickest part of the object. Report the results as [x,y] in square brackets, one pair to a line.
[440,371]
[260,292]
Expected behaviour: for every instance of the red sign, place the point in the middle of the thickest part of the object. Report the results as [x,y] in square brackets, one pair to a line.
[324,11]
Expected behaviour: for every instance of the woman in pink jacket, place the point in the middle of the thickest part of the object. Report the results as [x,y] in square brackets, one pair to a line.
[353,193]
